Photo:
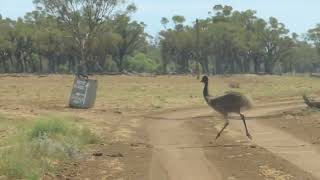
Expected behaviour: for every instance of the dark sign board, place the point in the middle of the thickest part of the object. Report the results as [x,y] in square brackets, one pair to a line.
[83,93]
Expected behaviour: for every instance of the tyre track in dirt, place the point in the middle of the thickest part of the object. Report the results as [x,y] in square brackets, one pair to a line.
[171,162]
[285,145]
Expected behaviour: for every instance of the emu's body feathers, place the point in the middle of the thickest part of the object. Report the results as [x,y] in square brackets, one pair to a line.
[230,102]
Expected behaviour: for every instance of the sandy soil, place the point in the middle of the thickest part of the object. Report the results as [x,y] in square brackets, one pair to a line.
[185,147]
[140,144]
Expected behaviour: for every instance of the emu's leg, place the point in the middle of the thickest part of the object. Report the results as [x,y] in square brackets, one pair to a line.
[245,125]
[225,126]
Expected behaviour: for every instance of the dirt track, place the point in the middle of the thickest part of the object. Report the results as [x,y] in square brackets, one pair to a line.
[180,143]
[183,146]
[180,153]
[169,160]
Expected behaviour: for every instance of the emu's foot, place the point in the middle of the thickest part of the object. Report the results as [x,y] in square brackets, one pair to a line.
[249,136]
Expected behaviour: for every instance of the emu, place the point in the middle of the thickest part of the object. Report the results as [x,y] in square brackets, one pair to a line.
[232,102]
[311,104]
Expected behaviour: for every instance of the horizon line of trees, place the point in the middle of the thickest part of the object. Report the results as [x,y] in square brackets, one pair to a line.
[97,36]
[231,41]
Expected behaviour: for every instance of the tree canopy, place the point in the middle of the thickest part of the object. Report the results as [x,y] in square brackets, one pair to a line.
[100,36]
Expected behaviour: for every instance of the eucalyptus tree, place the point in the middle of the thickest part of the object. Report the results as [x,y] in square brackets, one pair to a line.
[227,36]
[131,37]
[164,22]
[178,45]
[22,37]
[229,41]
[49,42]
[7,46]
[302,58]
[276,43]
[204,44]
[314,35]
[102,49]
[83,19]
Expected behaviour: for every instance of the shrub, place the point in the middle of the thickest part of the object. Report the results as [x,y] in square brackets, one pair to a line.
[36,145]
[48,126]
[141,63]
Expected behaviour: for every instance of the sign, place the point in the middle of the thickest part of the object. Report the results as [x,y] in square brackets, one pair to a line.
[83,93]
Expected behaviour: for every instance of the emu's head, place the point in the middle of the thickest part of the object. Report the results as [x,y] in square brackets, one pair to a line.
[205,79]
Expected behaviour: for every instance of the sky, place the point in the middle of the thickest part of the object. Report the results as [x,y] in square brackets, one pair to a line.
[297,15]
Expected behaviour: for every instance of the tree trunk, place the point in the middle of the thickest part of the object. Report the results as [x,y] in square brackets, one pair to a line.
[40,64]
[164,67]
[21,63]
[70,65]
[5,66]
[11,63]
[246,65]
[232,63]
[82,67]
[198,72]
[219,69]
[205,66]
[268,66]
[256,65]
[120,63]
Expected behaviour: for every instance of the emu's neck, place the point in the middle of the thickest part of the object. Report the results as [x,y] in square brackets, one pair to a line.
[205,90]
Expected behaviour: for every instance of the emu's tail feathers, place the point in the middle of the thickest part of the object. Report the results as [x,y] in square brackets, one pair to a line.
[248,102]
[307,101]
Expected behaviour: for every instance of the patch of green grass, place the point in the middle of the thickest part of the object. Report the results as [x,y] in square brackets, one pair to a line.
[36,145]
[21,163]
[50,126]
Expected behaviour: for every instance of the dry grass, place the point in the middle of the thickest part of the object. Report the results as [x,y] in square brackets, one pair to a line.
[146,93]
[24,98]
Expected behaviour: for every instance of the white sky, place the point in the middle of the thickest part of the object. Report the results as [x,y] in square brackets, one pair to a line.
[298,15]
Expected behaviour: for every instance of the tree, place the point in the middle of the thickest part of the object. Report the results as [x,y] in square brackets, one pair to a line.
[132,37]
[7,46]
[178,20]
[164,21]
[276,42]
[82,18]
[314,35]
[227,42]
[61,35]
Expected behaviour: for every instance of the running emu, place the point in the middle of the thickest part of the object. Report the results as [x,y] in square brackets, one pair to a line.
[231,102]
[311,104]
